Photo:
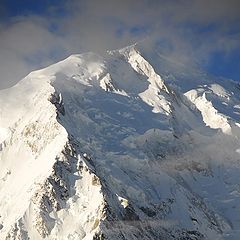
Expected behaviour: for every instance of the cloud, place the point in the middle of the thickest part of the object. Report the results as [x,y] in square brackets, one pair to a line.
[186,30]
[25,44]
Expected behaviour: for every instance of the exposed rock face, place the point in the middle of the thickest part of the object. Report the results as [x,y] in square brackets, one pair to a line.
[123,146]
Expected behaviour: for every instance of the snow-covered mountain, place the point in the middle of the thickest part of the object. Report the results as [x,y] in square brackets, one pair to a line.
[128,145]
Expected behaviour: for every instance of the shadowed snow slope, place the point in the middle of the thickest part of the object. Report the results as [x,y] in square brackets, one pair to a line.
[128,145]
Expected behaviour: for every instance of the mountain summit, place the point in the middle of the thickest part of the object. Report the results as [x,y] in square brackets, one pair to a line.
[128,145]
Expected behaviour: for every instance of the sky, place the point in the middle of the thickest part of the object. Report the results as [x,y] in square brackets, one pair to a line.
[35,34]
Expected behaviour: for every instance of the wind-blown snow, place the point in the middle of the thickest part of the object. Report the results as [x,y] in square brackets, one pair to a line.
[119,146]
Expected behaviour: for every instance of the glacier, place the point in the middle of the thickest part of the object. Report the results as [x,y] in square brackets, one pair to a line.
[126,145]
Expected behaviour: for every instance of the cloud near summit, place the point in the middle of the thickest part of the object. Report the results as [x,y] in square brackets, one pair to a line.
[187,31]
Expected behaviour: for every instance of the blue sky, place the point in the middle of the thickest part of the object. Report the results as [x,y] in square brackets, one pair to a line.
[26,7]
[34,34]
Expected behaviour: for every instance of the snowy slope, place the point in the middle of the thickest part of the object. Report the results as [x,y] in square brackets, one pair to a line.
[128,145]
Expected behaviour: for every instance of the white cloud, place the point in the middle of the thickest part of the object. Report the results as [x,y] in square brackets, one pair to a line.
[27,43]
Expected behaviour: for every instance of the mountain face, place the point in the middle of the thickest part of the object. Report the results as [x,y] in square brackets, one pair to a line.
[128,145]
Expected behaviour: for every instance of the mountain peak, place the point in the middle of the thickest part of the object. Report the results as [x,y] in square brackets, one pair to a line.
[119,147]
